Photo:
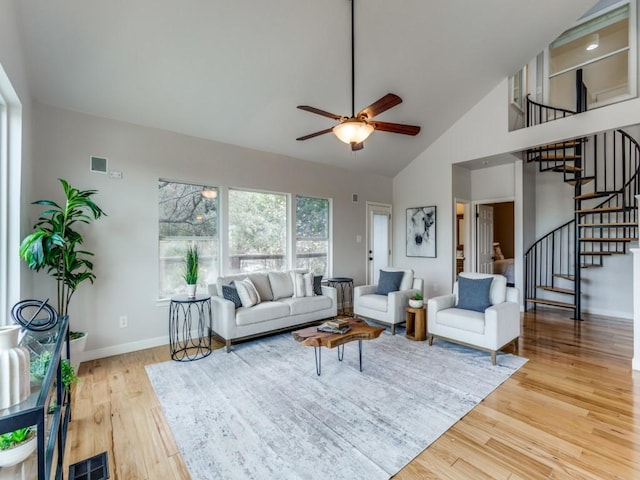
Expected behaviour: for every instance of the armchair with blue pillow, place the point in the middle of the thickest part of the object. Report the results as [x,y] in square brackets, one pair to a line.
[386,301]
[482,312]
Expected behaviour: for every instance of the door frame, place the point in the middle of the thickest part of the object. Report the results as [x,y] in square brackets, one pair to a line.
[469,247]
[370,208]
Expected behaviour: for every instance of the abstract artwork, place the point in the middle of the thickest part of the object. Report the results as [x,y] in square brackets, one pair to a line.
[421,232]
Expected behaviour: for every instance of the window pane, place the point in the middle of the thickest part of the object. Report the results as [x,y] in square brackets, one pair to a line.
[312,234]
[605,79]
[188,214]
[257,231]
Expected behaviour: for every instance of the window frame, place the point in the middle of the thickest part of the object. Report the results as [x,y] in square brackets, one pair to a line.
[294,230]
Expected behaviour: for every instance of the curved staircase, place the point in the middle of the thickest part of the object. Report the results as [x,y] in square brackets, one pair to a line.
[603,170]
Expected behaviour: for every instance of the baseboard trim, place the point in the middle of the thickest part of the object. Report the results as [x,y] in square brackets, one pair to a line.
[124,348]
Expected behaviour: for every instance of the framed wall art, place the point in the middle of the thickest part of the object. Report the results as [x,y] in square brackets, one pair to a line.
[421,232]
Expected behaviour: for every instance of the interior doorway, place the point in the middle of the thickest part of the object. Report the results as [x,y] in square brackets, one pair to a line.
[495,239]
[378,240]
[462,236]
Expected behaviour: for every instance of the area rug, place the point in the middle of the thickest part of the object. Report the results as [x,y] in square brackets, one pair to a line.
[261,412]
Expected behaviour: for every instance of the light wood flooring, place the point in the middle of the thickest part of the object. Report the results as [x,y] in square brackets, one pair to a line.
[572,411]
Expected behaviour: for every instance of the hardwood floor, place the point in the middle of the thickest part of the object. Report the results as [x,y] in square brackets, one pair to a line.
[570,412]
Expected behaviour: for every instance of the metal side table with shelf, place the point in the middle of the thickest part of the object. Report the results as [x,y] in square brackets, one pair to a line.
[190,324]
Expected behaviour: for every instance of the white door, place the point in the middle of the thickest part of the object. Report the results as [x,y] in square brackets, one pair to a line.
[379,240]
[484,238]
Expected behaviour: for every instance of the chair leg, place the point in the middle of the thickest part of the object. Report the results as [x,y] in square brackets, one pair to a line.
[228,345]
[393,329]
[430,339]
[493,357]
[516,347]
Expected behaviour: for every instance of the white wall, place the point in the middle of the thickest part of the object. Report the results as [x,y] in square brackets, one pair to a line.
[483,132]
[126,241]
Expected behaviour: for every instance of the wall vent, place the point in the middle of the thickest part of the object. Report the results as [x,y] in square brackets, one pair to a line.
[98,164]
[354,197]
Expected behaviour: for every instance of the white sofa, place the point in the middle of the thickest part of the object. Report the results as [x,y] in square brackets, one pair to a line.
[270,315]
[490,330]
[386,309]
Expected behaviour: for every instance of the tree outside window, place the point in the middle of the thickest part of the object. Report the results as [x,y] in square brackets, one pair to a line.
[188,214]
[312,234]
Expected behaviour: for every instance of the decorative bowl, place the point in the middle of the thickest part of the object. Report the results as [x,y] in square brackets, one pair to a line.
[415,303]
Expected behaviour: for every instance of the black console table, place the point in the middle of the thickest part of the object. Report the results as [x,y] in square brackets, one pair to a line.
[47,409]
[190,324]
[342,285]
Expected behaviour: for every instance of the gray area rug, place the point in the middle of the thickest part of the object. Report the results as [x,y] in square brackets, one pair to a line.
[261,412]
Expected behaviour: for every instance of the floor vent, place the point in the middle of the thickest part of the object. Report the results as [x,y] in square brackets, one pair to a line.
[94,468]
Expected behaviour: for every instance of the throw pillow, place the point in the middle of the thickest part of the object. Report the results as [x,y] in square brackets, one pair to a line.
[389,282]
[473,294]
[298,284]
[317,285]
[261,282]
[230,292]
[281,285]
[247,292]
[308,284]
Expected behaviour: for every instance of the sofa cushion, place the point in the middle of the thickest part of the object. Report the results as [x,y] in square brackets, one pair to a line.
[230,292]
[389,282]
[261,282]
[375,302]
[247,292]
[317,284]
[302,284]
[228,280]
[468,320]
[307,304]
[473,294]
[281,285]
[261,313]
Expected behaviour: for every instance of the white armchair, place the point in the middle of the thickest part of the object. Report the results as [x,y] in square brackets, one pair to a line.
[386,309]
[491,329]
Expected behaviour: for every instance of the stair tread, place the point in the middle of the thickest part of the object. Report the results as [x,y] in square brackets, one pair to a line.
[565,291]
[589,265]
[571,278]
[586,196]
[600,210]
[544,157]
[551,302]
[559,146]
[610,239]
[609,224]
[567,168]
[583,181]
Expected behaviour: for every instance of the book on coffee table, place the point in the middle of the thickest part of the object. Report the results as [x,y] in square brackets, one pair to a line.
[337,323]
[329,329]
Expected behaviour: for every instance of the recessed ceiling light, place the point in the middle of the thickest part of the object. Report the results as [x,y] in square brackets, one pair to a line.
[594,42]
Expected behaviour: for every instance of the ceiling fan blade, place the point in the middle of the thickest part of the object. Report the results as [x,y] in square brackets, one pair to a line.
[396,128]
[316,134]
[357,146]
[382,105]
[315,110]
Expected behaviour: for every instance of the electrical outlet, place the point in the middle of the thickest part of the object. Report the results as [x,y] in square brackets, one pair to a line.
[124,321]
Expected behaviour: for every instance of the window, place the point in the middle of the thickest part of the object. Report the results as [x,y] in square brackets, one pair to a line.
[188,215]
[518,88]
[312,234]
[257,231]
[603,48]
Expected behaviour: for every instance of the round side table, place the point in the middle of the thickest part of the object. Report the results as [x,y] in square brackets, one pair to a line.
[187,317]
[340,284]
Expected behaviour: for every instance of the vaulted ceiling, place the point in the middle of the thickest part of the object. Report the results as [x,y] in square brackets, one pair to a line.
[235,70]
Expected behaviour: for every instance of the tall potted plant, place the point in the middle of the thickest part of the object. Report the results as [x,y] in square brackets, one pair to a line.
[191,270]
[55,244]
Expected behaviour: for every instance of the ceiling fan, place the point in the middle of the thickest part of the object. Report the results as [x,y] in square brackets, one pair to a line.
[355,129]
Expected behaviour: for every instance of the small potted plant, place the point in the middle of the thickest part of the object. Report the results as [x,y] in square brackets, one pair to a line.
[40,365]
[416,301]
[16,446]
[191,270]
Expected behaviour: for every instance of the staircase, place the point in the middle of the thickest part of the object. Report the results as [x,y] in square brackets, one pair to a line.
[603,170]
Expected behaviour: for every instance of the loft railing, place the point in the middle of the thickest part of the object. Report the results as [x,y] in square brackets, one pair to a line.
[538,113]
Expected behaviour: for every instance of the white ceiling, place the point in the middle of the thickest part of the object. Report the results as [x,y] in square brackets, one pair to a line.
[235,70]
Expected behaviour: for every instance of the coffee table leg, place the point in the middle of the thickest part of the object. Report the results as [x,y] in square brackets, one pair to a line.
[317,352]
[360,353]
[340,352]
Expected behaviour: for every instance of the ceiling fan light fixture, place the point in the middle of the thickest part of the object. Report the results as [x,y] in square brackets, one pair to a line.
[353,131]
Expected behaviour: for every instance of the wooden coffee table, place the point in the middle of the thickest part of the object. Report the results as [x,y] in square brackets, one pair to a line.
[360,330]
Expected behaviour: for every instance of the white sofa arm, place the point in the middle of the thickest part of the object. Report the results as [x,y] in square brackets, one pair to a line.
[502,323]
[224,316]
[435,304]
[398,301]
[332,293]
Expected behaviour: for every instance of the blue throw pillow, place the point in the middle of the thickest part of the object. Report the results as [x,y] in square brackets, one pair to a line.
[230,292]
[473,294]
[389,282]
[317,285]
